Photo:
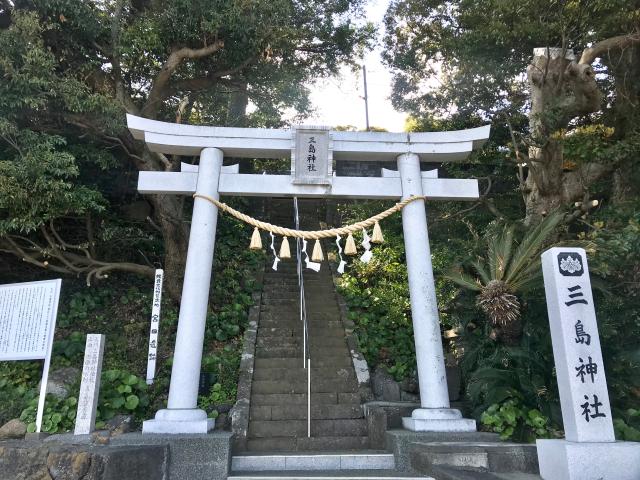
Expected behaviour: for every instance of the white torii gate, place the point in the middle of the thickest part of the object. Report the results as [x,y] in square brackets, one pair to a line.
[211,179]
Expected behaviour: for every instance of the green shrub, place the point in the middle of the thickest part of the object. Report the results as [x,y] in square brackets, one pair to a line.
[627,425]
[59,414]
[513,421]
[121,392]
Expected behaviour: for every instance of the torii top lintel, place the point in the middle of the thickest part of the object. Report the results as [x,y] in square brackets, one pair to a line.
[177,139]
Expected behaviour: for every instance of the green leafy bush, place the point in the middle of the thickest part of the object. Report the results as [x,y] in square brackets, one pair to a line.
[515,422]
[121,392]
[627,425]
[59,414]
[17,386]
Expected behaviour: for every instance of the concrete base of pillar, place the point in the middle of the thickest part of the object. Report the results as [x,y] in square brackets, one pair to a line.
[438,420]
[563,460]
[179,421]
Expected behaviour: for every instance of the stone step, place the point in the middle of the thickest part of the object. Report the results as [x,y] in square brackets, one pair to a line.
[279,352]
[300,374]
[293,444]
[347,427]
[296,333]
[449,473]
[318,385]
[313,462]
[299,412]
[293,292]
[295,362]
[320,351]
[322,321]
[323,341]
[293,315]
[318,336]
[284,399]
[326,475]
[475,456]
[292,309]
[322,276]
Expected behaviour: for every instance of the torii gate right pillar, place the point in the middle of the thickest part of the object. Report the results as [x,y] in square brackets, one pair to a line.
[435,414]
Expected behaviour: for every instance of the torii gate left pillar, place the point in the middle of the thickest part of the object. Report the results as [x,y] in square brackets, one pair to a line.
[211,179]
[182,414]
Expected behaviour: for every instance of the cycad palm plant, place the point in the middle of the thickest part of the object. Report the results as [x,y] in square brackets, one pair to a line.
[508,269]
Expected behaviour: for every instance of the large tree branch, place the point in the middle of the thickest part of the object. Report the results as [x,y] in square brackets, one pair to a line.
[161,82]
[204,83]
[614,43]
[55,256]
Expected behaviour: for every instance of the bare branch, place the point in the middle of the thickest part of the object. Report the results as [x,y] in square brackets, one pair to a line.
[203,83]
[161,82]
[54,256]
[614,43]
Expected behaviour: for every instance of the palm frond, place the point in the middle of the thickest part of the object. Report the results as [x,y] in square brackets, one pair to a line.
[529,277]
[481,271]
[531,245]
[503,252]
[464,280]
[492,240]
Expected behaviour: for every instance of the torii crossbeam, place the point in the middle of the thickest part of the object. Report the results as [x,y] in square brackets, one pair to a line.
[312,150]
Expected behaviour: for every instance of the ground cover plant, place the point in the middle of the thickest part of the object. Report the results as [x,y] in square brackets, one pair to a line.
[120,308]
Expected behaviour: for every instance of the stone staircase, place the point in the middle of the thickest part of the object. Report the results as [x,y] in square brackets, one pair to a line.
[278,414]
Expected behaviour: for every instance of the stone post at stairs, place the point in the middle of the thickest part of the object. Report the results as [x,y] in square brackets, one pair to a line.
[435,414]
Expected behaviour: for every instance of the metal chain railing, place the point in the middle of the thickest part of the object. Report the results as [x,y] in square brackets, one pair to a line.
[306,353]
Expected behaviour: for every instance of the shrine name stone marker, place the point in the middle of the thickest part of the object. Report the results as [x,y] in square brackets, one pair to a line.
[27,322]
[590,451]
[90,384]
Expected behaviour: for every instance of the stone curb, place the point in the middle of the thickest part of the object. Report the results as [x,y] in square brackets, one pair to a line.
[240,411]
[359,362]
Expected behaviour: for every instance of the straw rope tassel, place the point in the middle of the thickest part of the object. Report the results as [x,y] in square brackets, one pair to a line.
[256,241]
[317,255]
[285,251]
[350,246]
[376,236]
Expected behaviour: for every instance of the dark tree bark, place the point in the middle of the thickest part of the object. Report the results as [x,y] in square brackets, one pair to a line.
[561,90]
[625,66]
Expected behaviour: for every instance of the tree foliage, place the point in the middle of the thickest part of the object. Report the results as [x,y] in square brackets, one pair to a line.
[71,69]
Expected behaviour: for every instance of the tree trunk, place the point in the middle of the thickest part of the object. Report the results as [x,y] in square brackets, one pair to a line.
[624,65]
[169,216]
[238,103]
[561,89]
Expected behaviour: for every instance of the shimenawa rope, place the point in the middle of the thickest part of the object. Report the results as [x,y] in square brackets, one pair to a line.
[310,234]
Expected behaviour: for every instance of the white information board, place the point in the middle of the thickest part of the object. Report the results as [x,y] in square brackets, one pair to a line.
[90,384]
[582,385]
[155,326]
[27,321]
